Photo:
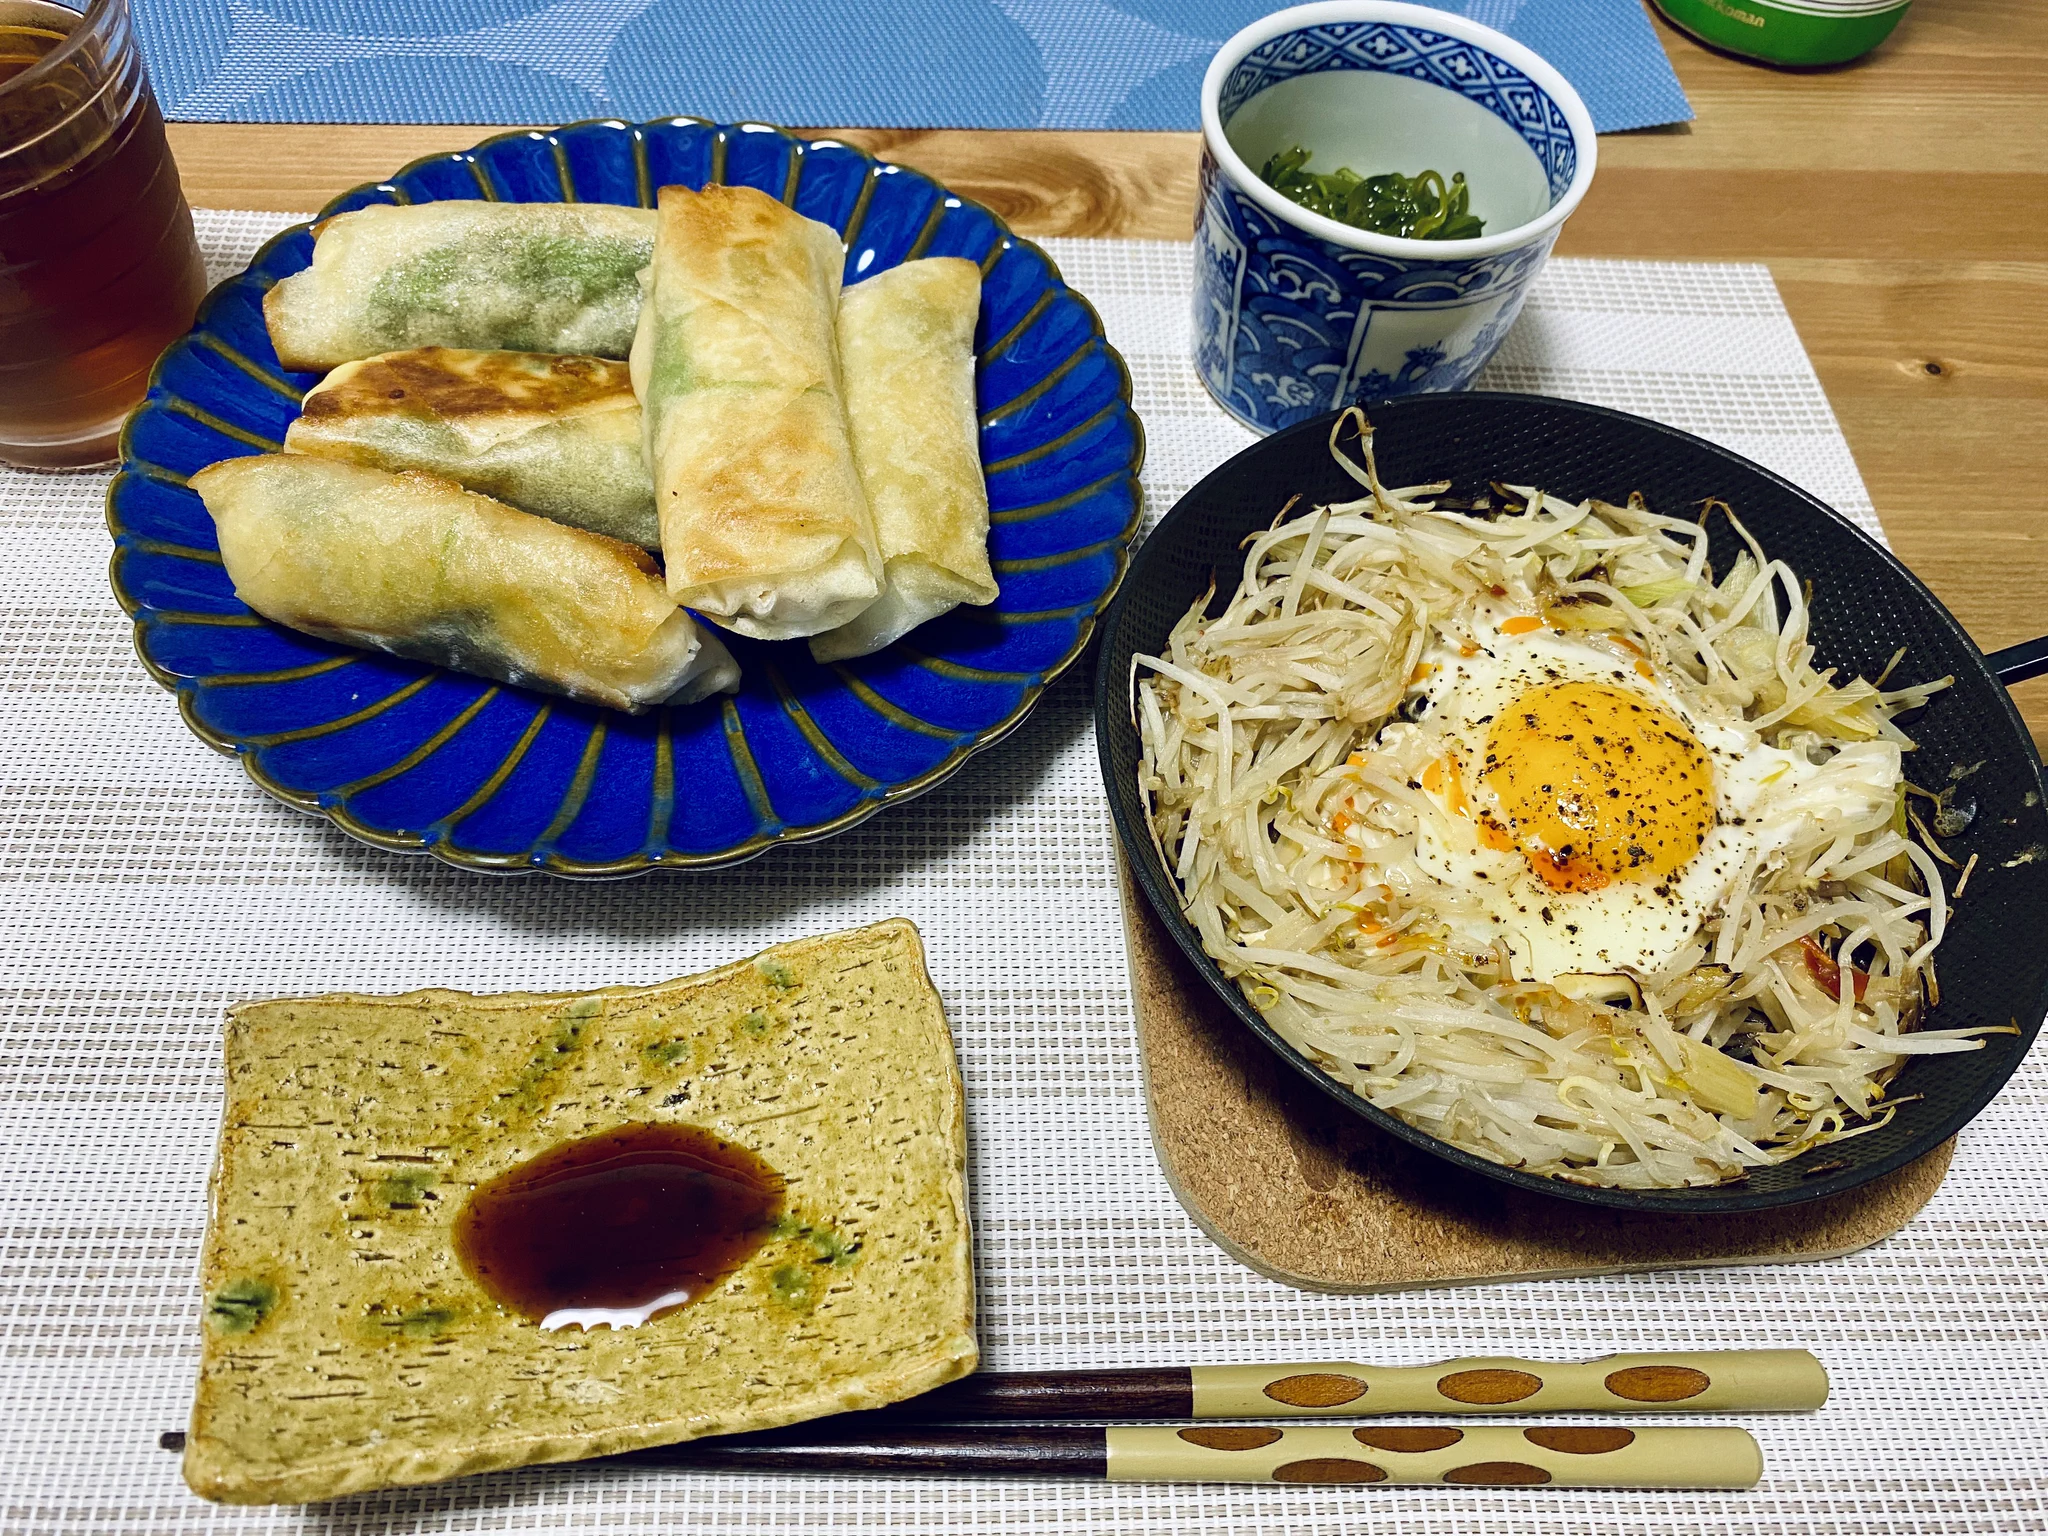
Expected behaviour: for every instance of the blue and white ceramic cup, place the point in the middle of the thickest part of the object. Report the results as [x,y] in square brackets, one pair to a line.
[1297,314]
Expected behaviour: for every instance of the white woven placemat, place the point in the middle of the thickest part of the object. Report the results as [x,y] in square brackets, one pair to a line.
[144,883]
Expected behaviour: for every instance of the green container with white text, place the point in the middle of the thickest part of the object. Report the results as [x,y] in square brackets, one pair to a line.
[1789,31]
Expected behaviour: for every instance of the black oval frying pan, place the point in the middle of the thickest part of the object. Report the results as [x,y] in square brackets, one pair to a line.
[1993,965]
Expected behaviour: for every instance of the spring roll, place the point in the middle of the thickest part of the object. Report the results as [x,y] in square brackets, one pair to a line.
[906,346]
[530,277]
[550,434]
[764,526]
[415,565]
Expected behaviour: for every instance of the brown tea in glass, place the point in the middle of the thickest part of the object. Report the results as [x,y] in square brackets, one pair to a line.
[99,269]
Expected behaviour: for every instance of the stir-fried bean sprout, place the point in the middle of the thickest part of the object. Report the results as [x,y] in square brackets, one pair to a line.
[1776,1026]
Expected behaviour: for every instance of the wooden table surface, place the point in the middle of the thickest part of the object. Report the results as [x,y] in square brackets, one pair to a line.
[1901,203]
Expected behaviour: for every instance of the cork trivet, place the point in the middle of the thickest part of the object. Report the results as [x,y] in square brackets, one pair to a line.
[1309,1194]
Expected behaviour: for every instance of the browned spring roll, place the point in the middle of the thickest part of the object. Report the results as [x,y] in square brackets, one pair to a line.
[418,566]
[554,435]
[906,343]
[764,525]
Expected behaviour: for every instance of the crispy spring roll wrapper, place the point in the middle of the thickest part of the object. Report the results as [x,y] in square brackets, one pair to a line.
[529,277]
[906,349]
[764,525]
[551,434]
[418,566]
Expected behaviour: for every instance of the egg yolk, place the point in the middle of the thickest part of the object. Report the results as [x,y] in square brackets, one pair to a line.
[1595,784]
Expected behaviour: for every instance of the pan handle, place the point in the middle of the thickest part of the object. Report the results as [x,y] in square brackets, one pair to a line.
[2017,663]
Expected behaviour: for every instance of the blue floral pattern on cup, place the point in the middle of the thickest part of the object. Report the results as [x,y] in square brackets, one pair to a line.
[1450,62]
[1288,325]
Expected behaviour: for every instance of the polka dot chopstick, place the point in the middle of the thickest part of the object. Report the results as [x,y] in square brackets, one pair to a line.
[1493,1455]
[1712,1381]
[899,1441]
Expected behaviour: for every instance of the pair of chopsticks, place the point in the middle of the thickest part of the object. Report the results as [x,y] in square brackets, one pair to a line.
[1008,1434]
[903,1441]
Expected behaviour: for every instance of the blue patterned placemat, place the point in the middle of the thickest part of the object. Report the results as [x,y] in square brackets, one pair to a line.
[874,63]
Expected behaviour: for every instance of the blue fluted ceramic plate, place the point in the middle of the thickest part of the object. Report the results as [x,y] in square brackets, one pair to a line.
[488,777]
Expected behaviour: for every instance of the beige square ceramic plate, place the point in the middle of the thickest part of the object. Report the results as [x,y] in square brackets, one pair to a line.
[345,1346]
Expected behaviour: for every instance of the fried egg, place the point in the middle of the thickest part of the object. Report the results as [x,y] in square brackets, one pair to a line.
[1587,818]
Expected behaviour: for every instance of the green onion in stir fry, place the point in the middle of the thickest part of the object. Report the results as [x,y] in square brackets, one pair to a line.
[1423,207]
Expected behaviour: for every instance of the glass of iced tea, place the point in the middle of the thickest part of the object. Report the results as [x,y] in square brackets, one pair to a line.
[98,266]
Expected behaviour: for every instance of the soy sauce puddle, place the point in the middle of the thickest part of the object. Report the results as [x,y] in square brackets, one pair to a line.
[615,1229]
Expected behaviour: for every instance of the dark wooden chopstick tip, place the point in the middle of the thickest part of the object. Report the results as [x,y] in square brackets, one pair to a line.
[1167,1393]
[907,1450]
